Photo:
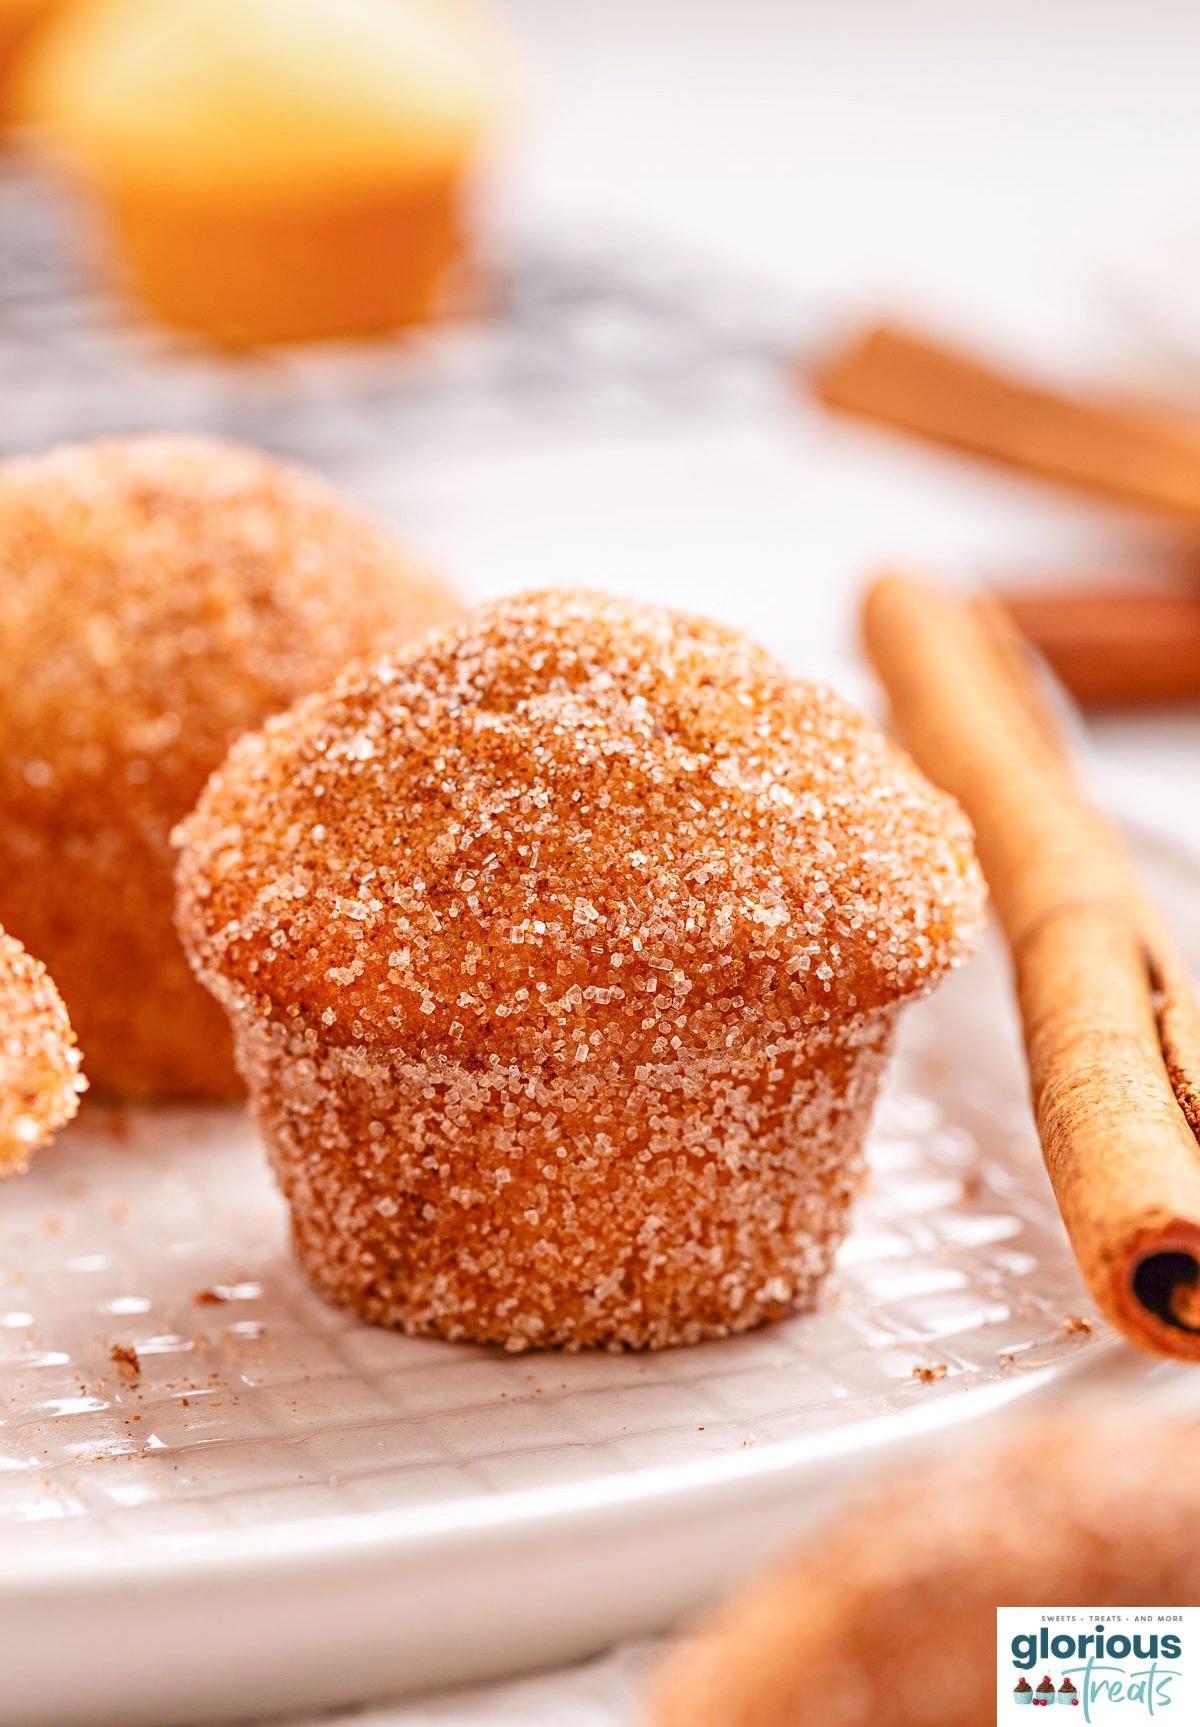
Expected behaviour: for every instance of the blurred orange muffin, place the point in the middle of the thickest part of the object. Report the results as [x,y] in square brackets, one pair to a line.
[160,596]
[275,170]
[888,1619]
[19,22]
[40,1081]
[563,953]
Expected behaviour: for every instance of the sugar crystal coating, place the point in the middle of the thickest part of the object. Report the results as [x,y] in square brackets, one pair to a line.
[562,953]
[888,1619]
[160,596]
[40,1079]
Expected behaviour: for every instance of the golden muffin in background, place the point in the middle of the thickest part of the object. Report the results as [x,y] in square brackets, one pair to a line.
[19,21]
[160,596]
[275,170]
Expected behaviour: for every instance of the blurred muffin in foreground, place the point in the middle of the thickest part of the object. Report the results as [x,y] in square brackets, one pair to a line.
[275,170]
[580,1048]
[40,1081]
[159,597]
[889,1618]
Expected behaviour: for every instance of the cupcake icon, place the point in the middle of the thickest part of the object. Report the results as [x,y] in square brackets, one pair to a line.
[1023,1692]
[1045,1692]
[1068,1694]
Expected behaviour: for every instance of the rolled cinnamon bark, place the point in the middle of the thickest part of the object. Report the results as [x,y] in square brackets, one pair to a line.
[1143,456]
[1115,648]
[1112,1029]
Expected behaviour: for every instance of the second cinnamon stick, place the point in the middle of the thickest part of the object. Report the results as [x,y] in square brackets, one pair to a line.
[1146,457]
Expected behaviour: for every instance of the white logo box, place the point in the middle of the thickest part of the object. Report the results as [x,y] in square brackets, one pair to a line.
[1112,1666]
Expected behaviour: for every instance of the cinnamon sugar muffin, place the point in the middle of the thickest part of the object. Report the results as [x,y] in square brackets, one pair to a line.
[159,596]
[849,1633]
[563,954]
[40,1079]
[275,170]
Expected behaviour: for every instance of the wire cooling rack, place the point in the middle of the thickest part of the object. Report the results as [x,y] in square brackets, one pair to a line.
[580,333]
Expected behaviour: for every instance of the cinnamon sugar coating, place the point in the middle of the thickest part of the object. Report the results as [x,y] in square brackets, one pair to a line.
[889,1618]
[40,1081]
[160,595]
[562,953]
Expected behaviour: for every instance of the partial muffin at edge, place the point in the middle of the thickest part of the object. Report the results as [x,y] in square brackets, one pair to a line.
[40,1081]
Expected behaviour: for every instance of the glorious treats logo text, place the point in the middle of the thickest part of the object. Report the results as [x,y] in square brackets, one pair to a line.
[1111,1665]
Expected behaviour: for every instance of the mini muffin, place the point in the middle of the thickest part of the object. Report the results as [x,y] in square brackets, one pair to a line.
[159,597]
[848,1634]
[275,169]
[40,1081]
[562,955]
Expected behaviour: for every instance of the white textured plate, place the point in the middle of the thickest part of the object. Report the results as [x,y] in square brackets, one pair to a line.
[281,1506]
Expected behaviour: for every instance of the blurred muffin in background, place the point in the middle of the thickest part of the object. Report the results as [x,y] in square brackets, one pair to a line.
[19,21]
[160,596]
[275,170]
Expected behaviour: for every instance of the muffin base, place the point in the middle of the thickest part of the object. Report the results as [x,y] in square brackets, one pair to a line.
[300,267]
[620,1209]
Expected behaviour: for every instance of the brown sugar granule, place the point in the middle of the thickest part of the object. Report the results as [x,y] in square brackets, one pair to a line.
[888,1618]
[40,1081]
[563,953]
[127,1362]
[930,1375]
[160,596]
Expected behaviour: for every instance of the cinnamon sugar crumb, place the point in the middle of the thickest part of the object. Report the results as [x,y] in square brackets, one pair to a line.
[127,1362]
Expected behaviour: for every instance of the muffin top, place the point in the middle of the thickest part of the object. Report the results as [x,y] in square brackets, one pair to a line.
[266,94]
[39,1063]
[162,594]
[571,827]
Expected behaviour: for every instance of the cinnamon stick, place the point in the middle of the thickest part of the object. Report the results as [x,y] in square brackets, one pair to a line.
[1112,1029]
[1116,648]
[1132,455]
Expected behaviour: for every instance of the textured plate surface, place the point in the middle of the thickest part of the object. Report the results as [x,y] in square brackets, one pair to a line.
[175,1403]
[167,1378]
